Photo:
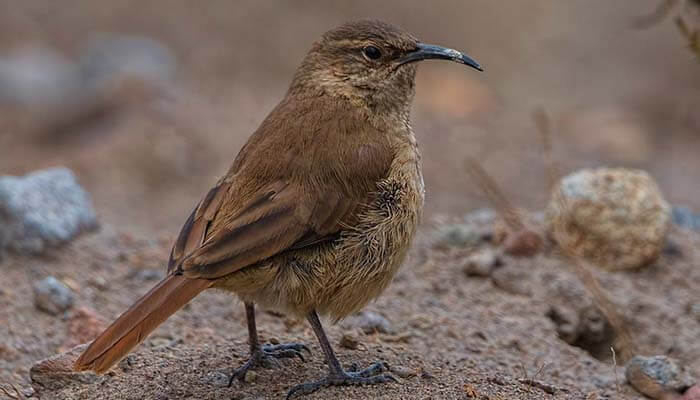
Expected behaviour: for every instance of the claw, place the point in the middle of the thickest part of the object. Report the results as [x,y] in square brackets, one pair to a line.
[269,356]
[368,376]
[304,347]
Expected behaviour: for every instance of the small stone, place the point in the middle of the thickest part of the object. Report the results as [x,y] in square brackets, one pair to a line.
[685,218]
[657,375]
[217,379]
[370,322]
[52,296]
[56,372]
[691,394]
[83,326]
[98,282]
[349,341]
[524,243]
[43,209]
[481,263]
[250,376]
[403,372]
[614,218]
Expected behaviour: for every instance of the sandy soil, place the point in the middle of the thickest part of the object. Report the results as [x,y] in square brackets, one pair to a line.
[461,337]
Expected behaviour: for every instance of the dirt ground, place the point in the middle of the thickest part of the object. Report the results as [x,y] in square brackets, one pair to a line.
[459,337]
[616,96]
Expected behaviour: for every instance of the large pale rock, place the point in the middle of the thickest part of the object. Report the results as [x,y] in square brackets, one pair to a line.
[614,218]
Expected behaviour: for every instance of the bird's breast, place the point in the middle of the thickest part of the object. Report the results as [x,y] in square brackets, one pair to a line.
[369,253]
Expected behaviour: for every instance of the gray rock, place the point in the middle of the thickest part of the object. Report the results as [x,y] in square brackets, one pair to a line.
[685,218]
[216,379]
[657,375]
[43,209]
[110,56]
[37,76]
[369,322]
[52,296]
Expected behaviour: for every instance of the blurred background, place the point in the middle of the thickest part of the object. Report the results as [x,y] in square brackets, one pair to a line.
[149,101]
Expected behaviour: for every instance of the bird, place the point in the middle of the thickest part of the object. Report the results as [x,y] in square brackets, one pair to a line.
[318,210]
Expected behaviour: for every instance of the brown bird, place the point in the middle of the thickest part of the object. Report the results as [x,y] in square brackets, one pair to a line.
[318,210]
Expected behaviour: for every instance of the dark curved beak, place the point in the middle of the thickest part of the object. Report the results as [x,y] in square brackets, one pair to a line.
[431,51]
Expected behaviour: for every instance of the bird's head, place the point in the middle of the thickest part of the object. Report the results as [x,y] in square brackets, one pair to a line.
[369,62]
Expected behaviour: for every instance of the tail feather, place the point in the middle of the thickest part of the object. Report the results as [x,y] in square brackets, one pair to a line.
[134,325]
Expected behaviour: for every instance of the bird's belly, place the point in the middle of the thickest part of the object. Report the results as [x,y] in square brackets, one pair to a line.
[369,254]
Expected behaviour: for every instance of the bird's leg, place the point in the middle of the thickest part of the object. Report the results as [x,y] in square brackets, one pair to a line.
[337,376]
[266,354]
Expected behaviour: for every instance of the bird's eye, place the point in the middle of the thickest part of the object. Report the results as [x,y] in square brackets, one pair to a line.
[372,52]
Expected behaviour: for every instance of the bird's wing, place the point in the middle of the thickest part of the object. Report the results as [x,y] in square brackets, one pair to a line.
[214,243]
[197,225]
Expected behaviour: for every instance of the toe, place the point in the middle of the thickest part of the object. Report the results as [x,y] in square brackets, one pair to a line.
[372,370]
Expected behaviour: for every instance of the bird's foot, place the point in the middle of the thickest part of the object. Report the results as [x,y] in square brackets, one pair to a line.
[372,375]
[267,356]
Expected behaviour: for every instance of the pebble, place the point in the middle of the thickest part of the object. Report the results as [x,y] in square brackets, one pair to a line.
[349,341]
[370,322]
[250,376]
[481,263]
[217,379]
[691,394]
[685,218]
[52,296]
[657,375]
[613,217]
[524,243]
[43,209]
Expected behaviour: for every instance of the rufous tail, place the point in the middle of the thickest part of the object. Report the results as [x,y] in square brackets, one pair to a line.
[134,325]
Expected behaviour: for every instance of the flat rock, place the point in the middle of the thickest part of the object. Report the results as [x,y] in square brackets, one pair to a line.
[56,372]
[43,209]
